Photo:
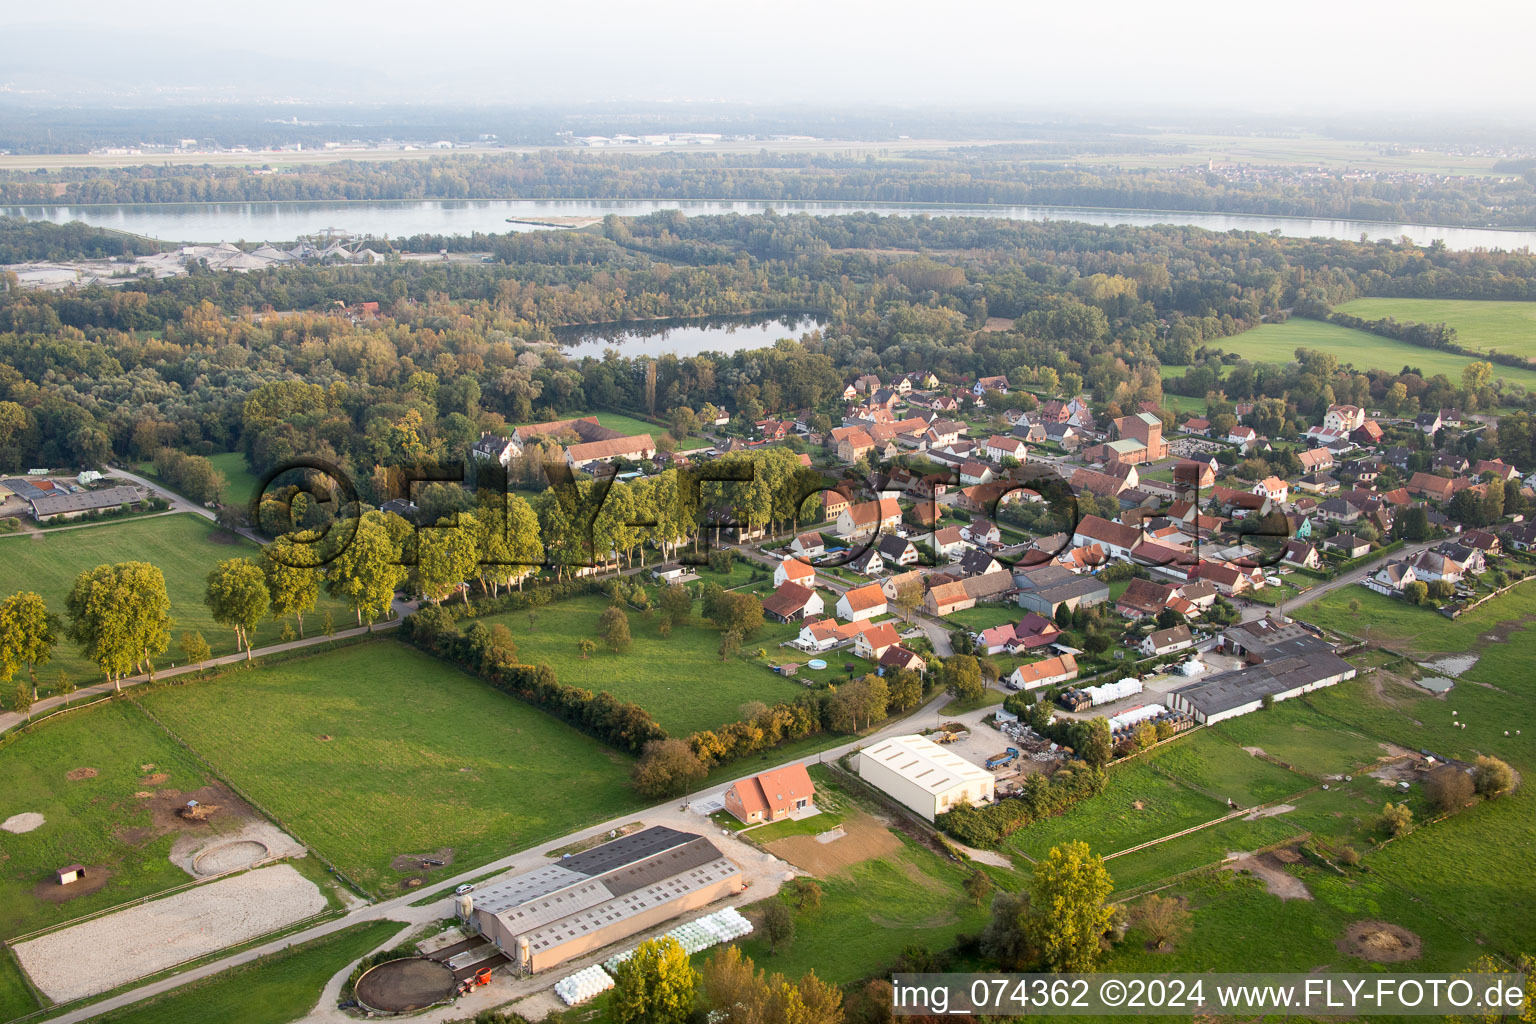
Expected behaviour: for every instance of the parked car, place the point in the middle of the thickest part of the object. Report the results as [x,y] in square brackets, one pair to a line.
[465,888]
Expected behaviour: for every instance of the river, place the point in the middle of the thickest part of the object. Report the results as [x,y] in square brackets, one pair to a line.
[278,222]
[684,337]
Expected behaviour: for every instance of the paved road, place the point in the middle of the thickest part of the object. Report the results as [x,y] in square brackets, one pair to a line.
[178,502]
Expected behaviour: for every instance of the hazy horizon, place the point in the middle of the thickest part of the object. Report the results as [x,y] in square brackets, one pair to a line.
[1311,58]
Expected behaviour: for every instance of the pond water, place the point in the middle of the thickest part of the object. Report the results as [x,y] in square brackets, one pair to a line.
[684,337]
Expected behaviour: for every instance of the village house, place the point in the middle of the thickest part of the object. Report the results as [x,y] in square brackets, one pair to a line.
[589,453]
[1166,641]
[1300,554]
[1348,544]
[897,550]
[1050,672]
[873,640]
[868,517]
[867,561]
[1391,578]
[792,602]
[808,545]
[1000,448]
[947,598]
[771,796]
[794,570]
[864,602]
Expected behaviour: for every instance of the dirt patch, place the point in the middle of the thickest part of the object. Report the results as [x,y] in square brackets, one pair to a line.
[143,794]
[863,838]
[50,891]
[423,863]
[80,774]
[1256,751]
[323,739]
[223,810]
[17,824]
[133,836]
[1268,812]
[1270,870]
[998,323]
[1380,942]
[157,779]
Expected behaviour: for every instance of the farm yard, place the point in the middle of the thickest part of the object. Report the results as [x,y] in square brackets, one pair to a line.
[1277,343]
[1485,326]
[377,755]
[680,679]
[183,547]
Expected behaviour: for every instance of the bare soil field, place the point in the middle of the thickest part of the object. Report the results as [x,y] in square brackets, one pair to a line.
[1269,868]
[863,837]
[102,954]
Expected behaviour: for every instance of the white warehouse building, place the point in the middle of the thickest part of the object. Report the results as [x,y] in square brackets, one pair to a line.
[920,774]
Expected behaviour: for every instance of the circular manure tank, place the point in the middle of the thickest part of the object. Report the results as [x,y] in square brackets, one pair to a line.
[403,986]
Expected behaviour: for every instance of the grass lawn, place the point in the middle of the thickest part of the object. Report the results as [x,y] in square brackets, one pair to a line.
[16,999]
[985,616]
[1197,850]
[273,990]
[1277,343]
[86,821]
[1233,917]
[1111,821]
[680,679]
[183,547]
[239,482]
[1206,761]
[1485,326]
[377,750]
[1296,734]
[1423,631]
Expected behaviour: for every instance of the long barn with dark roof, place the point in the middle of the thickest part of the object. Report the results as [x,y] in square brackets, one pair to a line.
[586,901]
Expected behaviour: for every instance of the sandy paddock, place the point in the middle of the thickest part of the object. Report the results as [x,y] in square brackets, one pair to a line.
[110,951]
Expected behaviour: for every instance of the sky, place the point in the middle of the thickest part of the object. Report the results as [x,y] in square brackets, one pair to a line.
[1330,56]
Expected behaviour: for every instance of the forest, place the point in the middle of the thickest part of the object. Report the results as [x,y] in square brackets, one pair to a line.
[973,175]
[198,363]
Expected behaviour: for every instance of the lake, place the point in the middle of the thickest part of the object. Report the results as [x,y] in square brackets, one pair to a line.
[683,337]
[277,222]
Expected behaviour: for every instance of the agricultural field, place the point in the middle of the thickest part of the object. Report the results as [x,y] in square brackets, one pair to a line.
[1508,327]
[1208,762]
[376,755]
[273,990]
[680,679]
[1138,805]
[1277,343]
[184,547]
[82,772]
[1294,733]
